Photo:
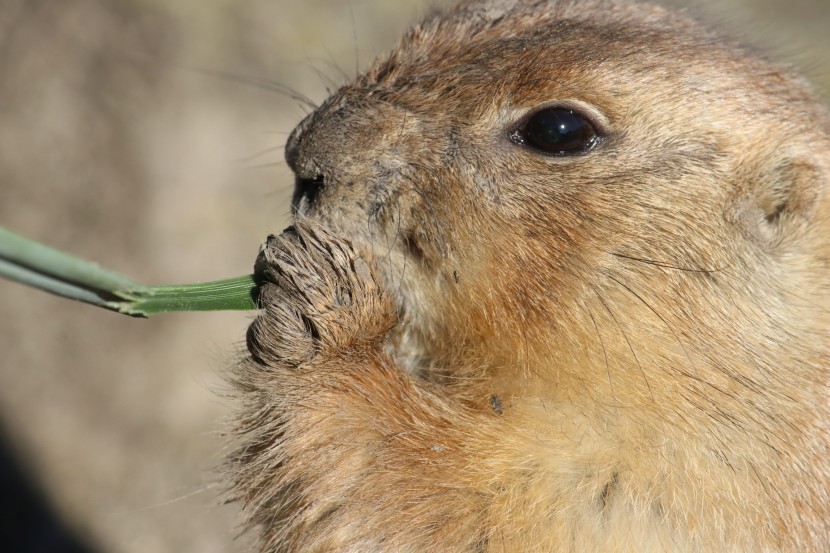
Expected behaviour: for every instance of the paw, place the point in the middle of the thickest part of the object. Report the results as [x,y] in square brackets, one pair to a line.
[319,298]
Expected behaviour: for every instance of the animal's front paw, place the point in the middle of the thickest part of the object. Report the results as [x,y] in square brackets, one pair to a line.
[319,298]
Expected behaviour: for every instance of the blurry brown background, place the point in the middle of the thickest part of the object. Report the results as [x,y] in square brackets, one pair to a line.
[117,145]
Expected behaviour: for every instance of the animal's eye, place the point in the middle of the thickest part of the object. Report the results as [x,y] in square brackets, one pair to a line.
[558,131]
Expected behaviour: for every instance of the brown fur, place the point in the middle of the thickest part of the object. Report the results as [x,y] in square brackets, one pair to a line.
[621,351]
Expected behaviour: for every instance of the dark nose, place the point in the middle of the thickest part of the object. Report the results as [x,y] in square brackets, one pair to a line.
[306,192]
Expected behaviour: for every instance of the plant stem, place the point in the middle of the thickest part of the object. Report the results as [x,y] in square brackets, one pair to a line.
[34,264]
[221,295]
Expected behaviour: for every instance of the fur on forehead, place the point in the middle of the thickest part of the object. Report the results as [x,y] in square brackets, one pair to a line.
[588,35]
[589,31]
[520,17]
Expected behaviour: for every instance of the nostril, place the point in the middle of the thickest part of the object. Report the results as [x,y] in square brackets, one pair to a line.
[306,192]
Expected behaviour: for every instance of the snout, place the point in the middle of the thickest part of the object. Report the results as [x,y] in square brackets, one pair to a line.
[347,158]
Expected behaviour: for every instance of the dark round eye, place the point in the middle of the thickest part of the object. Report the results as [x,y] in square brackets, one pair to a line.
[558,131]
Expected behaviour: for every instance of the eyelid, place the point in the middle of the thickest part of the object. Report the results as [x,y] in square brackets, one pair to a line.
[600,122]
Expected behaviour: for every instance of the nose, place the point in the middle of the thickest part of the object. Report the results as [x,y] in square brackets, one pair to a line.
[341,154]
[308,180]
[306,193]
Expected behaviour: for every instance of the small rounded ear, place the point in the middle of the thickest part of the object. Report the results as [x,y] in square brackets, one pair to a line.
[782,201]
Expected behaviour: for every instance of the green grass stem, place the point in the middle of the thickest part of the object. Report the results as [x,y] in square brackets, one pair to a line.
[34,264]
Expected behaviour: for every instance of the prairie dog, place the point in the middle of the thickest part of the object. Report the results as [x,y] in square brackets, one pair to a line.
[559,281]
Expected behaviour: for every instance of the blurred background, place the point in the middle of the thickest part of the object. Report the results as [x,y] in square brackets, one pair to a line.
[147,135]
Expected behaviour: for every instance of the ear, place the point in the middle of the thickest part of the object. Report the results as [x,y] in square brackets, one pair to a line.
[782,200]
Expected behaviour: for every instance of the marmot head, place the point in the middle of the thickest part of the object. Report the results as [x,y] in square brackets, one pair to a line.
[602,189]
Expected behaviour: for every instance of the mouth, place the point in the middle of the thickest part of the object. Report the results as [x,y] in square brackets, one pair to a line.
[400,257]
[394,264]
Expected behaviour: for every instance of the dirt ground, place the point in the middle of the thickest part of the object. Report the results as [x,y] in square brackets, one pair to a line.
[131,133]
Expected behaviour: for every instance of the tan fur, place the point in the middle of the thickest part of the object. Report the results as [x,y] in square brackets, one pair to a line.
[495,350]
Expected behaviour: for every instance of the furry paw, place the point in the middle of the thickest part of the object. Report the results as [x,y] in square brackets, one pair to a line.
[318,297]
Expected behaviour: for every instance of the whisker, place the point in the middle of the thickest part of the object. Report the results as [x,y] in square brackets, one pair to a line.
[605,353]
[656,314]
[391,244]
[265,166]
[258,82]
[258,154]
[432,211]
[200,490]
[333,66]
[627,341]
[665,265]
[354,39]
[327,82]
